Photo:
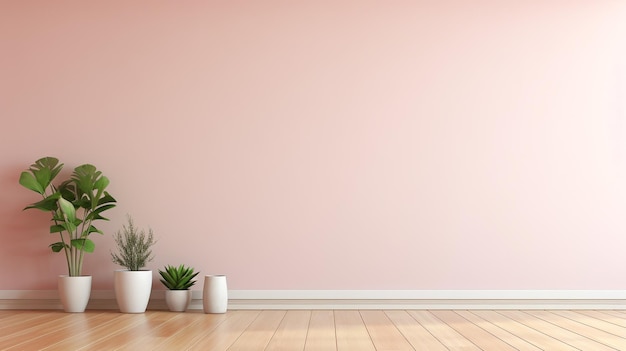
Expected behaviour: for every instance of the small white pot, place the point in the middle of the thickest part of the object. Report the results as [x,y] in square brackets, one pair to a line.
[132,290]
[74,292]
[177,300]
[215,294]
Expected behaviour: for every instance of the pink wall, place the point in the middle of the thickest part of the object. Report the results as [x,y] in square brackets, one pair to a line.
[328,144]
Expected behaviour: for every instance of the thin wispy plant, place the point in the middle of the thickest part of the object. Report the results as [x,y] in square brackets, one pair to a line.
[134,246]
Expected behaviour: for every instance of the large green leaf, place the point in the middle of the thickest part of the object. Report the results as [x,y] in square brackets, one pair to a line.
[29,181]
[96,213]
[42,172]
[84,202]
[68,210]
[55,167]
[85,177]
[90,230]
[51,163]
[58,246]
[70,222]
[84,244]
[104,207]
[48,204]
[57,228]
[107,198]
[60,217]
[68,190]
[46,169]
[100,185]
[43,177]
[69,227]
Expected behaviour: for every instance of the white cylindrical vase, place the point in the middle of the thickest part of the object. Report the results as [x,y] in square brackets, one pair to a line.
[215,294]
[74,292]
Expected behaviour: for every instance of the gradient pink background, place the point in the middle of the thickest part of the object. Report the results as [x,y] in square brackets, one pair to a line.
[328,144]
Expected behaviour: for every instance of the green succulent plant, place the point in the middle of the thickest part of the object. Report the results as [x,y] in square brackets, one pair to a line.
[178,278]
[75,204]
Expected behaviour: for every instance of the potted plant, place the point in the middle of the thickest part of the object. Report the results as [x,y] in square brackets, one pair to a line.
[75,204]
[178,281]
[133,285]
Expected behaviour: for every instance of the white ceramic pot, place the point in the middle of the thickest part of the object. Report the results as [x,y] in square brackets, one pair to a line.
[215,294]
[177,300]
[74,292]
[132,290]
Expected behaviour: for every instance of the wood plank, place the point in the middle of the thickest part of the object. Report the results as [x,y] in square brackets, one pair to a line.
[383,332]
[351,332]
[291,333]
[80,322]
[415,333]
[522,331]
[140,324]
[199,325]
[593,322]
[581,329]
[321,335]
[575,340]
[28,319]
[472,332]
[118,322]
[259,333]
[444,333]
[225,334]
[159,335]
[40,325]
[617,320]
[621,314]
[8,314]
[513,340]
[565,336]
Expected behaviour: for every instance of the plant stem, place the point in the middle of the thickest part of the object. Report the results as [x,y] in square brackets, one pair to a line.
[82,251]
[65,249]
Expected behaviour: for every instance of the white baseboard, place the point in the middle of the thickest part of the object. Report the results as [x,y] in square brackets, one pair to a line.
[351,299]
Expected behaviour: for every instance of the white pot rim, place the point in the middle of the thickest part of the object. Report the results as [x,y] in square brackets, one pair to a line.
[75,276]
[126,270]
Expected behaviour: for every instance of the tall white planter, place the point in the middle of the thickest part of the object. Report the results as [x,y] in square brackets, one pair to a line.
[74,292]
[215,294]
[132,290]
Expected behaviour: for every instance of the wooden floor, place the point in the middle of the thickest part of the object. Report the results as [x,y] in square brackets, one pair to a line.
[314,330]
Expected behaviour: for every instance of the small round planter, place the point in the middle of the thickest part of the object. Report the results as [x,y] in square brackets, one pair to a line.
[74,292]
[132,290]
[215,294]
[177,300]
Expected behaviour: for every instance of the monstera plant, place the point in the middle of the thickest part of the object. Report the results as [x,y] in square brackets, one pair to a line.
[75,204]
